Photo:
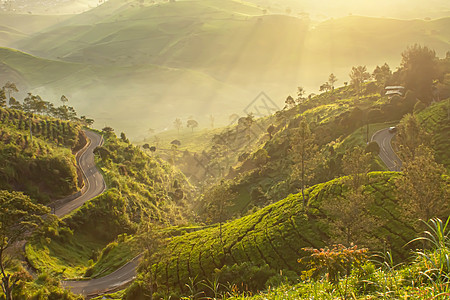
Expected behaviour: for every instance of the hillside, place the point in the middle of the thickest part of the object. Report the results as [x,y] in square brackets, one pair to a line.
[92,240]
[271,239]
[435,120]
[43,167]
[218,55]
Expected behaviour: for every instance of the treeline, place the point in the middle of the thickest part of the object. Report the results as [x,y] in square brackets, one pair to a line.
[36,105]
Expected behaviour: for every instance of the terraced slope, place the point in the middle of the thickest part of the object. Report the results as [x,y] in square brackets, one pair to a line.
[42,167]
[275,235]
[436,120]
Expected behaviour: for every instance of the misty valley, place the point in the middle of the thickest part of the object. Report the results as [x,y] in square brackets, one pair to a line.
[224,149]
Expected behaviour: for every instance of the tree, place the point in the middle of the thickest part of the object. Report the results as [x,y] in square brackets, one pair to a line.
[2,98]
[192,124]
[419,68]
[219,199]
[422,189]
[325,87]
[151,239]
[382,75]
[10,87]
[270,130]
[290,103]
[86,121]
[14,104]
[64,99]
[351,218]
[409,137]
[124,138]
[300,94]
[358,75]
[18,216]
[332,79]
[350,212]
[304,155]
[178,124]
[33,103]
[108,130]
[356,165]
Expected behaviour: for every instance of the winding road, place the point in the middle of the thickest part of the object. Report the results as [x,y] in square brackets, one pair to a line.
[383,138]
[94,186]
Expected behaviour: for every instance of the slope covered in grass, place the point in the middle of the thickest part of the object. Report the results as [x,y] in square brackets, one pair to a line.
[43,166]
[274,236]
[91,240]
[436,120]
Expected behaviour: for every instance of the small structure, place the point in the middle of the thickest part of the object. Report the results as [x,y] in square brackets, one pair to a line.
[391,91]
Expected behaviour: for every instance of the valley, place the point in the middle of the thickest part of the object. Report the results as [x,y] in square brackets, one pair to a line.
[206,149]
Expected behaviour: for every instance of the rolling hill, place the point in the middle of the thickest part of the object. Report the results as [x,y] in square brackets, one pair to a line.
[204,57]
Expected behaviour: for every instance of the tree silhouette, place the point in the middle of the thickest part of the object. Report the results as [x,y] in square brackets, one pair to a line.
[151,239]
[290,102]
[332,79]
[192,124]
[418,70]
[300,94]
[325,87]
[219,199]
[382,75]
[10,87]
[178,124]
[358,75]
[64,99]
[304,154]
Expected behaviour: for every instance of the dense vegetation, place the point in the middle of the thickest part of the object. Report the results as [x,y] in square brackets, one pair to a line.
[41,165]
[304,179]
[94,240]
[381,213]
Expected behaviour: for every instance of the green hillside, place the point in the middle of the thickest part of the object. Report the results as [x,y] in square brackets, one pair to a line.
[435,120]
[42,167]
[274,236]
[93,240]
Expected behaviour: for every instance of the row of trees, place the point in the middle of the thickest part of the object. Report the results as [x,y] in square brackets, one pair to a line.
[36,105]
[418,71]
[191,123]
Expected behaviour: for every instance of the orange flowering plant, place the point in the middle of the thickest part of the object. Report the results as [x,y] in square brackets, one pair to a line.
[334,263]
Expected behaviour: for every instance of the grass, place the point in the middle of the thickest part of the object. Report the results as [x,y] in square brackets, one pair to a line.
[435,120]
[274,235]
[94,241]
[43,167]
[68,258]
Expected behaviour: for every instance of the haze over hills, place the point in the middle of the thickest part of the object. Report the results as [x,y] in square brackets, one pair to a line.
[324,9]
[135,65]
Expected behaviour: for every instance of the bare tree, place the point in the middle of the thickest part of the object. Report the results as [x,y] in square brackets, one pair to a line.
[178,124]
[305,156]
[332,79]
